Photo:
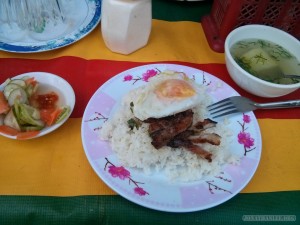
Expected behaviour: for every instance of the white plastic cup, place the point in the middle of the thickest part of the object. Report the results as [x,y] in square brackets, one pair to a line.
[126,24]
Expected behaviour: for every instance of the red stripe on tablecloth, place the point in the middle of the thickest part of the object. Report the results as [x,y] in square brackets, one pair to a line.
[86,76]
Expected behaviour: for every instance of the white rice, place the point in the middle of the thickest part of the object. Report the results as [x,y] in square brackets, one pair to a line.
[133,148]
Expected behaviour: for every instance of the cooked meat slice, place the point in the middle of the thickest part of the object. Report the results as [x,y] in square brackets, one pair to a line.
[206,123]
[176,131]
[201,152]
[177,124]
[161,137]
[153,120]
[211,138]
[180,140]
[177,143]
[187,144]
[158,125]
[185,134]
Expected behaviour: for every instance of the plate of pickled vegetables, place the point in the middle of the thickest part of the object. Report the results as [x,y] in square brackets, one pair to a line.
[34,104]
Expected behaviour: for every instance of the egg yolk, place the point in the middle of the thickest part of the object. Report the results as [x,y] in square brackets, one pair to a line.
[174,89]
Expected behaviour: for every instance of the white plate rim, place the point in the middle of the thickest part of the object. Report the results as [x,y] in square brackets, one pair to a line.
[67,91]
[147,203]
[80,32]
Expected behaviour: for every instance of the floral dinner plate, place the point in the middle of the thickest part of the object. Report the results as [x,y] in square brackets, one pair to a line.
[156,191]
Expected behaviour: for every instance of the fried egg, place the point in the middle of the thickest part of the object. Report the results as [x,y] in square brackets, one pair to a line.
[166,94]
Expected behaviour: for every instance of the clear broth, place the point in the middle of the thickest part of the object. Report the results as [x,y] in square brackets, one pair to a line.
[266,60]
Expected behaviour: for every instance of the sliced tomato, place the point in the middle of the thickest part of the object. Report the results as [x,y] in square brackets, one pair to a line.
[27,134]
[31,81]
[8,130]
[49,116]
[4,106]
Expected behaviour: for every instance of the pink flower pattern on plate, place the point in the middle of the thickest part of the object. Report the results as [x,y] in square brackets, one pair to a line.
[128,78]
[246,118]
[119,171]
[149,73]
[243,137]
[123,174]
[140,191]
[145,76]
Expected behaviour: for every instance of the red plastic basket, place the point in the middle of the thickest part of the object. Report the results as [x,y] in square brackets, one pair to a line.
[227,15]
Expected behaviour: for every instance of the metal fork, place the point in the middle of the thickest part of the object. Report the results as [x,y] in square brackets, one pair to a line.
[237,104]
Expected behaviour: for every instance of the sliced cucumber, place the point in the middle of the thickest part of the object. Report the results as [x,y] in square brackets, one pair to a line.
[31,128]
[36,114]
[23,121]
[16,109]
[9,88]
[30,89]
[17,94]
[11,121]
[64,113]
[20,82]
[26,113]
[6,82]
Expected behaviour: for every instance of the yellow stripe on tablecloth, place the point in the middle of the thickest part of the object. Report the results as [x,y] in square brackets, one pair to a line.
[40,167]
[279,166]
[186,36]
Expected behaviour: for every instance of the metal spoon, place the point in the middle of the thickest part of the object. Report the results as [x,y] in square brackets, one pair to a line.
[292,76]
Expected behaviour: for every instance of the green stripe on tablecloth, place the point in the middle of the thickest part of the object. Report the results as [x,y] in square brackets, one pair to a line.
[109,210]
[180,10]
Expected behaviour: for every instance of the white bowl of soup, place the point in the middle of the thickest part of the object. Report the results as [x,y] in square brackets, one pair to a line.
[260,58]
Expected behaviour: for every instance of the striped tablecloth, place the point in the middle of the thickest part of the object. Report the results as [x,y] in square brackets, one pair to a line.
[50,181]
